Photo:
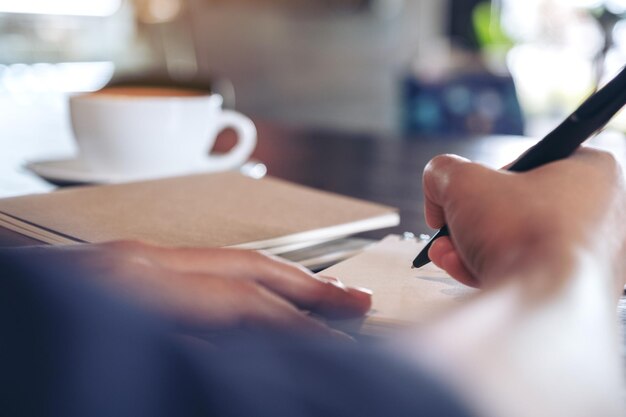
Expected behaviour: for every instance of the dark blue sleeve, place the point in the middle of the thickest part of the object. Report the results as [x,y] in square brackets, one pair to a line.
[71,349]
[280,375]
[68,348]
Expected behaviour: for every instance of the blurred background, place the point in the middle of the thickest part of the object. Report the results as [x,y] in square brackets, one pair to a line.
[433,67]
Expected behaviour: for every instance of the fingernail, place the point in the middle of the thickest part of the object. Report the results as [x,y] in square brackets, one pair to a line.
[328,278]
[334,281]
[363,290]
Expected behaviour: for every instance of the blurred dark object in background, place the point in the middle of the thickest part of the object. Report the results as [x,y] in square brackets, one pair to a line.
[607,21]
[474,92]
[470,103]
[460,25]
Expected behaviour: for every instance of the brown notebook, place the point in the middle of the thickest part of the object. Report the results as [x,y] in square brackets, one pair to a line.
[218,210]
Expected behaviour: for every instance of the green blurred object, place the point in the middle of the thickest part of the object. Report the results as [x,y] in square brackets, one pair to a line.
[488,27]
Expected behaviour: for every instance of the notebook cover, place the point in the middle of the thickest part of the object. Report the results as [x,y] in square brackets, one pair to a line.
[225,209]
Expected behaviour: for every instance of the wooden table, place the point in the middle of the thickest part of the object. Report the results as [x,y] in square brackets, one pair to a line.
[381,168]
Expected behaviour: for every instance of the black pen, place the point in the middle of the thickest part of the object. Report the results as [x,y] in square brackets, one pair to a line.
[590,117]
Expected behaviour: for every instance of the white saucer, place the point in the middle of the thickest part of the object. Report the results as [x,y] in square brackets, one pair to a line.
[75,171]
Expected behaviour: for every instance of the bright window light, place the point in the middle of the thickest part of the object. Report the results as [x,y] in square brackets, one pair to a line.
[61,7]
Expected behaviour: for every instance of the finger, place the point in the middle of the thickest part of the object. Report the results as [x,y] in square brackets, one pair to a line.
[329,298]
[218,303]
[439,248]
[445,256]
[454,266]
[328,278]
[435,182]
[598,162]
[449,181]
[233,263]
[276,313]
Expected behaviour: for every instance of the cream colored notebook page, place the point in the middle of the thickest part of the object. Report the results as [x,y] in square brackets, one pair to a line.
[402,295]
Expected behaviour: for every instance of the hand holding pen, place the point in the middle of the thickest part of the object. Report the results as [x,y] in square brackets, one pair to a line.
[590,117]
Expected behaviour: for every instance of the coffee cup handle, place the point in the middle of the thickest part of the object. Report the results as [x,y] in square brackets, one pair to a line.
[246,141]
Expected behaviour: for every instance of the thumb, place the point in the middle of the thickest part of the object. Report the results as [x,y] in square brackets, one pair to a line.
[448,180]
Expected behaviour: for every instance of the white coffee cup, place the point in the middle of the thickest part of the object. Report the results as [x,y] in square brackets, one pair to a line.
[145,132]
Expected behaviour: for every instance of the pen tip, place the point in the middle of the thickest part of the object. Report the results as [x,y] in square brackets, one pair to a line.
[421,260]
